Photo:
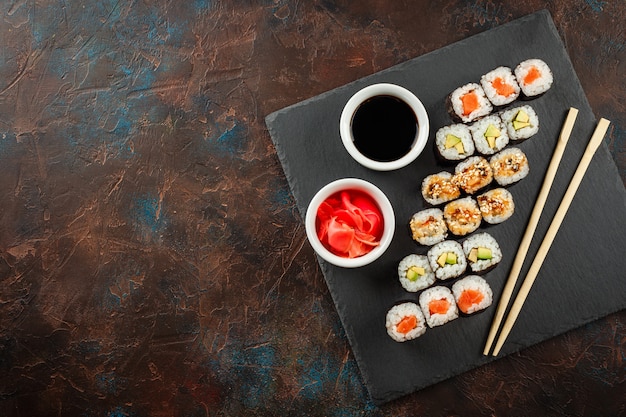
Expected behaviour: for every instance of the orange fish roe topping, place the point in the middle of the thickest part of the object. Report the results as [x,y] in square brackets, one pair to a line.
[532,75]
[407,324]
[502,88]
[470,102]
[439,306]
[468,298]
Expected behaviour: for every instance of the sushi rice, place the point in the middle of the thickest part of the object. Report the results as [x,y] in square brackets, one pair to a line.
[534,77]
[428,227]
[472,294]
[496,205]
[453,265]
[520,122]
[438,306]
[500,86]
[509,166]
[462,216]
[454,142]
[482,242]
[479,108]
[405,321]
[410,273]
[473,174]
[489,126]
[439,188]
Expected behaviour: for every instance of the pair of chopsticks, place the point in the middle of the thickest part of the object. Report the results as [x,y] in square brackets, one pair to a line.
[593,145]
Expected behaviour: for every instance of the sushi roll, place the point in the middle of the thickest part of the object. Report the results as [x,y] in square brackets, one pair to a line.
[439,188]
[415,273]
[462,216]
[496,205]
[509,166]
[454,142]
[405,322]
[500,86]
[447,259]
[473,174]
[534,77]
[428,227]
[489,135]
[472,294]
[438,305]
[520,122]
[482,252]
[468,103]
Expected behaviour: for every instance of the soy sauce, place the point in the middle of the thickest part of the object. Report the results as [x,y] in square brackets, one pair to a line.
[384,128]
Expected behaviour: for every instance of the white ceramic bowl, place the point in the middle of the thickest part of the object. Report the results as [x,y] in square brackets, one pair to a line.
[345,125]
[389,222]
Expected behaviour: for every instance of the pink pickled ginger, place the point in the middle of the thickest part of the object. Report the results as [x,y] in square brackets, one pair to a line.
[349,224]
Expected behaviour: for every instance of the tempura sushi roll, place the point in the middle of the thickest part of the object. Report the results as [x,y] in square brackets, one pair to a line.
[447,259]
[454,142]
[405,322]
[500,86]
[428,227]
[496,205]
[462,216]
[438,305]
[534,77]
[473,174]
[439,188]
[509,166]
[415,273]
[472,294]
[468,103]
[520,122]
[482,252]
[489,135]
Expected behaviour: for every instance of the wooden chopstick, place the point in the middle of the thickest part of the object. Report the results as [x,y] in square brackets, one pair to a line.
[594,143]
[566,130]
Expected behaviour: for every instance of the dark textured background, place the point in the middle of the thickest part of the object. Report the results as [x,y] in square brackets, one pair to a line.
[152,260]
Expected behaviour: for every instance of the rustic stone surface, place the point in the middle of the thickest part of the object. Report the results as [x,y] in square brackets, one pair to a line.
[152,260]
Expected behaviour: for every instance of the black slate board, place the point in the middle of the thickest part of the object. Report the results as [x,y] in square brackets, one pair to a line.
[582,278]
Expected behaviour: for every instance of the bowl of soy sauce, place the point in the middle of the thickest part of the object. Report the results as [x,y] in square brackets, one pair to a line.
[384,127]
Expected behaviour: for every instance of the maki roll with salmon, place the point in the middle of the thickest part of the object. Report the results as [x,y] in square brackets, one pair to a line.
[454,142]
[473,174]
[496,205]
[428,227]
[534,77]
[447,259]
[482,252]
[472,294]
[500,86]
[438,305]
[415,273]
[509,166]
[439,188]
[462,216]
[468,103]
[489,135]
[405,322]
[520,122]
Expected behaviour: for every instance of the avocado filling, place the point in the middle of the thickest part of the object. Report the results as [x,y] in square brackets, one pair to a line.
[455,142]
[414,272]
[521,120]
[479,254]
[491,134]
[448,258]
